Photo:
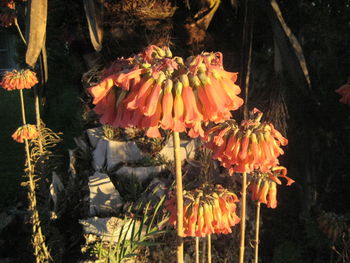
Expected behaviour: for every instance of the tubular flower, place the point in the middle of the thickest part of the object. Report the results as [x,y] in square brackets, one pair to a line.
[217,90]
[246,147]
[167,122]
[344,91]
[27,131]
[264,185]
[17,80]
[207,210]
[158,87]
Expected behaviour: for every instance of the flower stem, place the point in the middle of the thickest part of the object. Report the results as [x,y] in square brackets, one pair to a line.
[38,121]
[40,247]
[22,107]
[209,248]
[179,197]
[37,108]
[257,229]
[20,31]
[243,212]
[197,249]
[204,248]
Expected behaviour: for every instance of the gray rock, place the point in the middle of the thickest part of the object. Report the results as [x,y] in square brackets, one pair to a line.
[141,173]
[55,188]
[157,187]
[104,198]
[72,162]
[187,150]
[94,135]
[118,152]
[99,155]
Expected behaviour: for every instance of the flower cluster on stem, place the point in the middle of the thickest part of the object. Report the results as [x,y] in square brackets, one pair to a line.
[155,90]
[207,210]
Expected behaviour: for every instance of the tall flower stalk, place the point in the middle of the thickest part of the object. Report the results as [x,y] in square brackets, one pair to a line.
[19,80]
[251,149]
[179,195]
[154,90]
[36,98]
[257,231]
[209,248]
[243,217]
[197,249]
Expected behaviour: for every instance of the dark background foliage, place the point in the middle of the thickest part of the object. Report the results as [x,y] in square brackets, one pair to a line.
[316,124]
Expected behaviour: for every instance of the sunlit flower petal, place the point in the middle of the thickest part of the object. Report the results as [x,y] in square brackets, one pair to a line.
[25,132]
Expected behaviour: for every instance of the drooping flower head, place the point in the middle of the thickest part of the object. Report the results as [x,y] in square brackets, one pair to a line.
[27,131]
[17,80]
[161,91]
[264,185]
[344,91]
[214,87]
[246,147]
[207,210]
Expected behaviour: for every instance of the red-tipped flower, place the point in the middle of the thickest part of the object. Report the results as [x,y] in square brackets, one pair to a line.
[207,210]
[264,185]
[203,91]
[246,147]
[24,132]
[17,80]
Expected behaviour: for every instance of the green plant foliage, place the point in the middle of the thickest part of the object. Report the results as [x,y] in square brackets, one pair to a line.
[129,187]
[135,232]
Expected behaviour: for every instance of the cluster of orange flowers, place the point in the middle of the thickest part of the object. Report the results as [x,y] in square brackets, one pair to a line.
[7,13]
[264,185]
[17,80]
[246,147]
[25,132]
[207,210]
[344,91]
[156,90]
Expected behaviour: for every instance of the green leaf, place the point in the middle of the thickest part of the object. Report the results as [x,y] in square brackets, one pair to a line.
[156,232]
[155,212]
[35,29]
[288,46]
[94,16]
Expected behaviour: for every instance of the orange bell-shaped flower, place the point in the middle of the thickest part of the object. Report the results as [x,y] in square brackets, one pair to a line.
[246,147]
[25,132]
[207,210]
[17,80]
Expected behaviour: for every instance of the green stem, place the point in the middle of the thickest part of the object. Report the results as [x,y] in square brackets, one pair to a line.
[243,218]
[204,248]
[257,229]
[20,31]
[197,249]
[179,197]
[38,237]
[22,107]
[209,248]
[37,107]
[38,121]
